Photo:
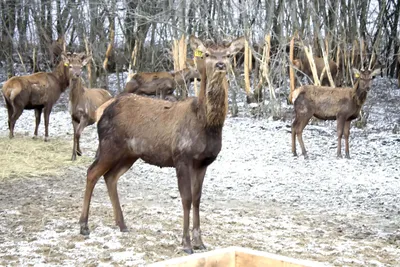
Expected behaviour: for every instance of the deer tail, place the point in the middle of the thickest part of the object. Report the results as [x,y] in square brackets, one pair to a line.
[296,93]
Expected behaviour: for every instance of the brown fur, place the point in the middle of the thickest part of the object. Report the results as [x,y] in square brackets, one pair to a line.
[160,83]
[100,110]
[185,135]
[38,91]
[327,103]
[55,50]
[83,102]
[303,65]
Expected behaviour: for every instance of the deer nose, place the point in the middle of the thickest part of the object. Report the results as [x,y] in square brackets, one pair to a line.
[220,65]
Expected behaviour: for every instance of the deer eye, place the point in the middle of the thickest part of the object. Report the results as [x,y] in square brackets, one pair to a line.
[206,54]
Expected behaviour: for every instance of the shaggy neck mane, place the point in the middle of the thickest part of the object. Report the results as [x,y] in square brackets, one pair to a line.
[61,73]
[360,94]
[214,97]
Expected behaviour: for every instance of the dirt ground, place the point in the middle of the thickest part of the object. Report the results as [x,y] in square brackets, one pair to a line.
[336,211]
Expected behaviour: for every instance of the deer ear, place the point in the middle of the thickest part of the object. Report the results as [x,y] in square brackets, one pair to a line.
[236,45]
[196,44]
[376,72]
[86,60]
[296,63]
[189,63]
[356,73]
[65,59]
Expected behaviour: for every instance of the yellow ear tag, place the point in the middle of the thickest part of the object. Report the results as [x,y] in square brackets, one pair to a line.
[357,75]
[198,53]
[66,64]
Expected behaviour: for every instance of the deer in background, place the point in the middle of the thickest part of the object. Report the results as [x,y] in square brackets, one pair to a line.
[327,103]
[161,83]
[185,135]
[38,91]
[83,102]
[303,65]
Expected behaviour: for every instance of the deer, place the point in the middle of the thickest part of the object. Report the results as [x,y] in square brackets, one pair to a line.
[83,102]
[303,65]
[38,91]
[328,103]
[160,83]
[185,135]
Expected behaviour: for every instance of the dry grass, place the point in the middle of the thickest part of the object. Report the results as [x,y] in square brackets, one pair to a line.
[24,157]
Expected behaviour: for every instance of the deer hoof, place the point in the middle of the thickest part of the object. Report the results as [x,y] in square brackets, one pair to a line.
[46,139]
[188,250]
[85,230]
[306,156]
[34,137]
[124,229]
[347,156]
[199,247]
[339,156]
[294,154]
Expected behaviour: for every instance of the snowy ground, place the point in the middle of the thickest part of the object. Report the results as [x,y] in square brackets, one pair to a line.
[337,211]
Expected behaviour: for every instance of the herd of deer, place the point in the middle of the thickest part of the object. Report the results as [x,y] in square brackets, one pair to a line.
[185,135]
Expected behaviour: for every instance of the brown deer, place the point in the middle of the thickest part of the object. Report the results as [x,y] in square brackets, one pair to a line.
[303,65]
[185,135]
[327,103]
[83,102]
[160,83]
[38,91]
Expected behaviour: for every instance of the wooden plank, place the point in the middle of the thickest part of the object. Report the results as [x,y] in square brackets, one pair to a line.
[215,258]
[235,257]
[253,258]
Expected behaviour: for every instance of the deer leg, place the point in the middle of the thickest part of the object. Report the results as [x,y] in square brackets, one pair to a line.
[82,125]
[9,111]
[38,113]
[17,111]
[75,127]
[346,138]
[98,168]
[340,126]
[183,172]
[47,111]
[300,127]
[162,94]
[294,126]
[111,178]
[197,184]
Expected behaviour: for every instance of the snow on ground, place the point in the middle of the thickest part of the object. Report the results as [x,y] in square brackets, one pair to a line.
[337,211]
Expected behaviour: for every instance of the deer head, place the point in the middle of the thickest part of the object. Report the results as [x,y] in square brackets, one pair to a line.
[365,77]
[216,57]
[194,68]
[76,62]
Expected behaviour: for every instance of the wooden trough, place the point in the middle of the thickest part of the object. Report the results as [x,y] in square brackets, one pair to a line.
[235,257]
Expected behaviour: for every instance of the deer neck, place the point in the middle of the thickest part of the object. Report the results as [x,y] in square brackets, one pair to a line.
[360,94]
[215,100]
[61,72]
[76,90]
